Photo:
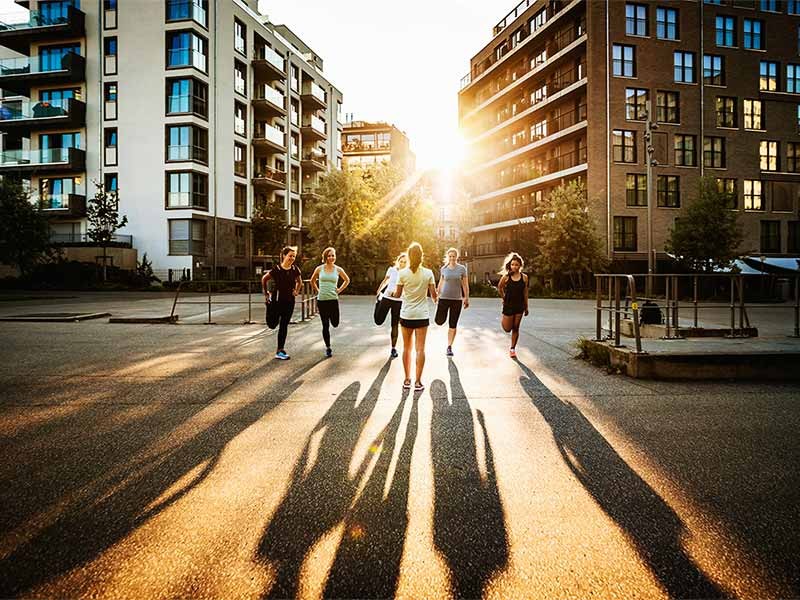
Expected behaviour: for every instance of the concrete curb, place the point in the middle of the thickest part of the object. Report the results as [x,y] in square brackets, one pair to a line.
[55,318]
[145,320]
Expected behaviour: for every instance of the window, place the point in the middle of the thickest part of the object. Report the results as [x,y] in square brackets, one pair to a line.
[625,234]
[793,7]
[184,10]
[50,141]
[239,200]
[794,237]
[59,95]
[186,49]
[770,5]
[52,58]
[666,23]
[241,243]
[294,79]
[768,155]
[793,79]
[110,180]
[110,100]
[684,67]
[187,237]
[623,60]
[726,111]
[635,19]
[239,37]
[110,55]
[240,78]
[667,107]
[768,76]
[110,143]
[727,186]
[771,237]
[714,152]
[793,157]
[635,104]
[752,114]
[187,142]
[713,69]
[623,146]
[54,192]
[187,96]
[753,37]
[636,189]
[685,150]
[239,118]
[239,159]
[668,191]
[725,31]
[187,189]
[753,199]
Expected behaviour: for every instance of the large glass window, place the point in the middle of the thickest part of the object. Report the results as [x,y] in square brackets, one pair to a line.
[793,240]
[714,152]
[753,198]
[726,111]
[636,189]
[753,36]
[727,186]
[666,23]
[186,49]
[684,67]
[187,95]
[770,237]
[768,76]
[239,159]
[623,60]
[668,191]
[187,189]
[713,69]
[187,237]
[793,79]
[187,142]
[240,77]
[770,5]
[685,155]
[49,141]
[667,107]
[752,114]
[184,10]
[768,155]
[239,118]
[239,37]
[793,157]
[793,7]
[635,19]
[623,146]
[625,234]
[50,57]
[635,104]
[239,200]
[725,31]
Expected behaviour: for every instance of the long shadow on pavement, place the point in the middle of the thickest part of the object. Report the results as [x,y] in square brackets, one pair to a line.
[468,520]
[116,502]
[319,494]
[652,528]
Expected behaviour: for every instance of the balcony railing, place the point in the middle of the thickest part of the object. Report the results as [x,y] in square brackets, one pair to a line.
[83,239]
[29,65]
[57,13]
[361,147]
[38,157]
[273,58]
[271,174]
[533,169]
[21,110]
[271,134]
[317,157]
[316,124]
[489,248]
[314,91]
[270,94]
[506,214]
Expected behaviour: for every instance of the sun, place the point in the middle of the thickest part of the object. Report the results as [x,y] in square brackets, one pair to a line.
[444,150]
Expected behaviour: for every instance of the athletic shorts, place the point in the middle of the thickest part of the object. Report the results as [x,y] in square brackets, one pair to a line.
[510,311]
[414,323]
[445,306]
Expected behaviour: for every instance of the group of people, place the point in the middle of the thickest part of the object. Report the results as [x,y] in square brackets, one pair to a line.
[403,293]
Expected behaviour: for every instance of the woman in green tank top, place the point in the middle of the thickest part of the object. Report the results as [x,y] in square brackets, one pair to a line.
[325,281]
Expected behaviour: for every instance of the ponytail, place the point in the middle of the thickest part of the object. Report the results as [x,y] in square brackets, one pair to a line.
[414,256]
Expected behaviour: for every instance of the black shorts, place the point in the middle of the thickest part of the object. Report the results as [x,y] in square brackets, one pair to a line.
[448,306]
[383,307]
[510,310]
[415,323]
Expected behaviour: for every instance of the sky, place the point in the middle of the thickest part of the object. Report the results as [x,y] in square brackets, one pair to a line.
[398,61]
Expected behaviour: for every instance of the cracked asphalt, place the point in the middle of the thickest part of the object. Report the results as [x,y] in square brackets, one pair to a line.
[161,461]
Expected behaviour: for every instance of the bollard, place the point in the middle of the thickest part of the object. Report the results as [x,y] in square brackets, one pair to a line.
[598,310]
[694,285]
[249,302]
[741,305]
[676,319]
[610,307]
[797,307]
[666,308]
[617,343]
[733,308]
[209,304]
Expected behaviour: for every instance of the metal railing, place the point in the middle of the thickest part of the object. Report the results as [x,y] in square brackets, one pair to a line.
[307,299]
[683,291]
[117,239]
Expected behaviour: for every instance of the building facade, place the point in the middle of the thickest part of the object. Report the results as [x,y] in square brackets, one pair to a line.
[195,110]
[561,93]
[366,144]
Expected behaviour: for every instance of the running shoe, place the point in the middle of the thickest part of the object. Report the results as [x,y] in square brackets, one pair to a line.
[449,351]
[512,353]
[281,355]
[418,387]
[393,353]
[328,352]
[407,384]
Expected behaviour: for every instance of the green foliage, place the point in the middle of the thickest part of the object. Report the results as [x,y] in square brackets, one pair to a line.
[269,227]
[102,212]
[370,217]
[707,235]
[144,272]
[24,232]
[569,247]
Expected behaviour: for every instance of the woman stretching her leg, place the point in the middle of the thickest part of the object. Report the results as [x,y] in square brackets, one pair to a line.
[387,302]
[324,281]
[453,294]
[414,283]
[513,288]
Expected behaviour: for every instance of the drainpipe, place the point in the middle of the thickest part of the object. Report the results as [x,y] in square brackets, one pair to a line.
[701,83]
[214,131]
[609,221]
[100,103]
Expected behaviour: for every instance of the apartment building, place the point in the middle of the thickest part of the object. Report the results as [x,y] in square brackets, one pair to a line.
[561,93]
[366,144]
[195,110]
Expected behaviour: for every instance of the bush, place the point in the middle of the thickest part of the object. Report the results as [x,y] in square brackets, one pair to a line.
[73,275]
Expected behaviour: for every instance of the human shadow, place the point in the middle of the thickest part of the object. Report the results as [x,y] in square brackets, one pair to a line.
[648,523]
[469,528]
[120,492]
[321,489]
[367,562]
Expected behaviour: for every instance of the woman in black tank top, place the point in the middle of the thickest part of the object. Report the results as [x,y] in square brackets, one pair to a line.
[513,288]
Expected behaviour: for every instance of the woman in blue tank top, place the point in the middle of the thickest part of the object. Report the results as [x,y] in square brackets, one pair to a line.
[325,282]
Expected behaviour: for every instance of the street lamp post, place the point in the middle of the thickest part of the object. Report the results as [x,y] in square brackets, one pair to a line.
[651,162]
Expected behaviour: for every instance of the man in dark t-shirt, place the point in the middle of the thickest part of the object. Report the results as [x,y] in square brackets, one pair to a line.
[288,284]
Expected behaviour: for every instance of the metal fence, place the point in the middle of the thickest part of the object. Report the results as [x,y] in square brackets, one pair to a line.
[213,289]
[683,292]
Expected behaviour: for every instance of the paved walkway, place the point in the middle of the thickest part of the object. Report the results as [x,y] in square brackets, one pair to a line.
[163,461]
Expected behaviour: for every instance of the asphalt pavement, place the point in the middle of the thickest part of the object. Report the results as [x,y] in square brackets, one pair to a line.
[163,461]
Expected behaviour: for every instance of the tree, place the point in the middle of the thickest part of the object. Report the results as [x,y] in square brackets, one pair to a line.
[707,235]
[568,243]
[269,227]
[24,231]
[102,212]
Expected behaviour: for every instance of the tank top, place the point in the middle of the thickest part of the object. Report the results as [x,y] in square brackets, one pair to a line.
[515,292]
[327,284]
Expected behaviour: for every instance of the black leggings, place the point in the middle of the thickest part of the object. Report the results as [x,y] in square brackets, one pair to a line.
[383,308]
[278,315]
[451,306]
[329,314]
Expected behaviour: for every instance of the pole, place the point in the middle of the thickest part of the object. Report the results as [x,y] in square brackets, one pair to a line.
[648,140]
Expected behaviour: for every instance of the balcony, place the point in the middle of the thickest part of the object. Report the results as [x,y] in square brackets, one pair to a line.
[83,239]
[268,64]
[313,129]
[53,160]
[60,21]
[19,74]
[269,102]
[269,178]
[65,206]
[499,248]
[506,214]
[313,96]
[269,138]
[362,148]
[311,193]
[24,115]
[314,161]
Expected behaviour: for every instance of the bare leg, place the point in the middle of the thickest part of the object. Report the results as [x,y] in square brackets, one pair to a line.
[515,330]
[419,345]
[507,321]
[451,336]
[407,341]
